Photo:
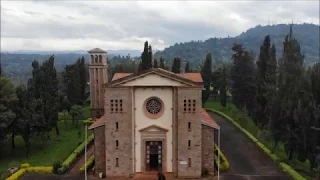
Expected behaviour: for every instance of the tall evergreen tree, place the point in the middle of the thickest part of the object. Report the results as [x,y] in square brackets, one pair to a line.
[145,57]
[243,77]
[223,87]
[83,77]
[155,63]
[187,68]
[161,63]
[206,73]
[150,57]
[0,68]
[176,65]
[7,115]
[266,76]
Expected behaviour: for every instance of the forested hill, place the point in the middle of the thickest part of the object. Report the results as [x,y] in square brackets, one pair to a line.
[195,51]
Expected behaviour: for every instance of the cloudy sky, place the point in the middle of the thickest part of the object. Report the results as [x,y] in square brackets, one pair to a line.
[114,25]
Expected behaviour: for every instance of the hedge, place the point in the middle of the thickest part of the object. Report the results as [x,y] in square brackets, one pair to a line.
[89,164]
[224,164]
[25,165]
[36,169]
[291,172]
[75,154]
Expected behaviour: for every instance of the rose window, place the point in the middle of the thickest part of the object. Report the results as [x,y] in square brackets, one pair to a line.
[153,107]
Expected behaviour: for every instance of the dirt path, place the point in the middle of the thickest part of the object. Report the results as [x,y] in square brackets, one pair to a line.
[75,169]
[246,160]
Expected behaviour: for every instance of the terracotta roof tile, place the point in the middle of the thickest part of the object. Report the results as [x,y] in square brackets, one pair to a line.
[196,77]
[99,122]
[120,75]
[207,120]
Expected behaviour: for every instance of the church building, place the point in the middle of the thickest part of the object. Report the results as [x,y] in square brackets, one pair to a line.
[149,121]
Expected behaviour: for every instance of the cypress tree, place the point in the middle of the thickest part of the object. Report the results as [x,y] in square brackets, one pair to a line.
[223,87]
[149,65]
[155,63]
[0,68]
[206,73]
[145,57]
[161,63]
[187,68]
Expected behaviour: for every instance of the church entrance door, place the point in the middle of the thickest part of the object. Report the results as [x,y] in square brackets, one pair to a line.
[153,155]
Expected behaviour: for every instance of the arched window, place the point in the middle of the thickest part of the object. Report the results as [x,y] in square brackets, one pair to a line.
[96,59]
[100,58]
[92,59]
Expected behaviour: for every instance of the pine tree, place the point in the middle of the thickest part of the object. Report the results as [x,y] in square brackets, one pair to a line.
[206,73]
[155,63]
[243,77]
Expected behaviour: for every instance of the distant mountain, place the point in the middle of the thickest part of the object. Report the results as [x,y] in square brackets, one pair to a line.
[195,51]
[82,52]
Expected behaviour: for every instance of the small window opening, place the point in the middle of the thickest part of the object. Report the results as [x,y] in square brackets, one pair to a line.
[189,126]
[189,144]
[117,162]
[117,144]
[189,162]
[117,125]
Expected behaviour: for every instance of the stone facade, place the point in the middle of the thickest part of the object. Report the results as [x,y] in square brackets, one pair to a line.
[207,148]
[115,134]
[118,147]
[184,134]
[99,149]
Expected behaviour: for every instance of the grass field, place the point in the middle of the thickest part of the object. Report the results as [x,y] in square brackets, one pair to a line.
[57,148]
[247,123]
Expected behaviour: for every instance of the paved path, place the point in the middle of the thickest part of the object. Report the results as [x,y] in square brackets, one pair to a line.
[246,160]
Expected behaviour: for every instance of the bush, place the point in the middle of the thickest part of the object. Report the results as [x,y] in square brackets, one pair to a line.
[40,169]
[17,175]
[76,153]
[56,165]
[291,172]
[205,172]
[224,164]
[24,165]
[88,121]
[88,165]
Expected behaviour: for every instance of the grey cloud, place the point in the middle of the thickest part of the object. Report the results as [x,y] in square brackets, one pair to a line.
[32,13]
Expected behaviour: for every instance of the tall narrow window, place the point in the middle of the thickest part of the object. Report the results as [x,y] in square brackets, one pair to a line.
[117,126]
[189,162]
[189,144]
[117,162]
[189,105]
[120,104]
[117,144]
[189,126]
[194,106]
[111,106]
[185,105]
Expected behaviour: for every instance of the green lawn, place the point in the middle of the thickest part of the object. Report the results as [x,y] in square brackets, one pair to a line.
[264,137]
[57,148]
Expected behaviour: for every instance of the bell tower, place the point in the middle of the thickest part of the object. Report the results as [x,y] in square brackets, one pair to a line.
[98,71]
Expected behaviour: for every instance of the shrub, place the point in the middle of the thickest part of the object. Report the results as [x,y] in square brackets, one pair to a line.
[291,172]
[205,172]
[224,164]
[56,165]
[17,175]
[89,121]
[40,169]
[24,165]
[89,164]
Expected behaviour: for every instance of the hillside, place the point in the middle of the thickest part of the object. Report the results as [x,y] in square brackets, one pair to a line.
[194,51]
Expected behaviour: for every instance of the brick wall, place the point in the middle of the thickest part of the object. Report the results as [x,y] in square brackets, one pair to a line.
[184,134]
[99,149]
[123,134]
[207,148]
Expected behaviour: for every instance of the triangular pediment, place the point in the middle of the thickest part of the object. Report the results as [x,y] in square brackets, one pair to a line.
[153,128]
[154,77]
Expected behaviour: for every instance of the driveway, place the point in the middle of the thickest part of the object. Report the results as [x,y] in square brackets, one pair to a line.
[246,160]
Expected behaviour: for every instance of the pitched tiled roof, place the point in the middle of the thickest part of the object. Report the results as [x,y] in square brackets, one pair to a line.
[97,50]
[99,122]
[207,120]
[196,77]
[120,75]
